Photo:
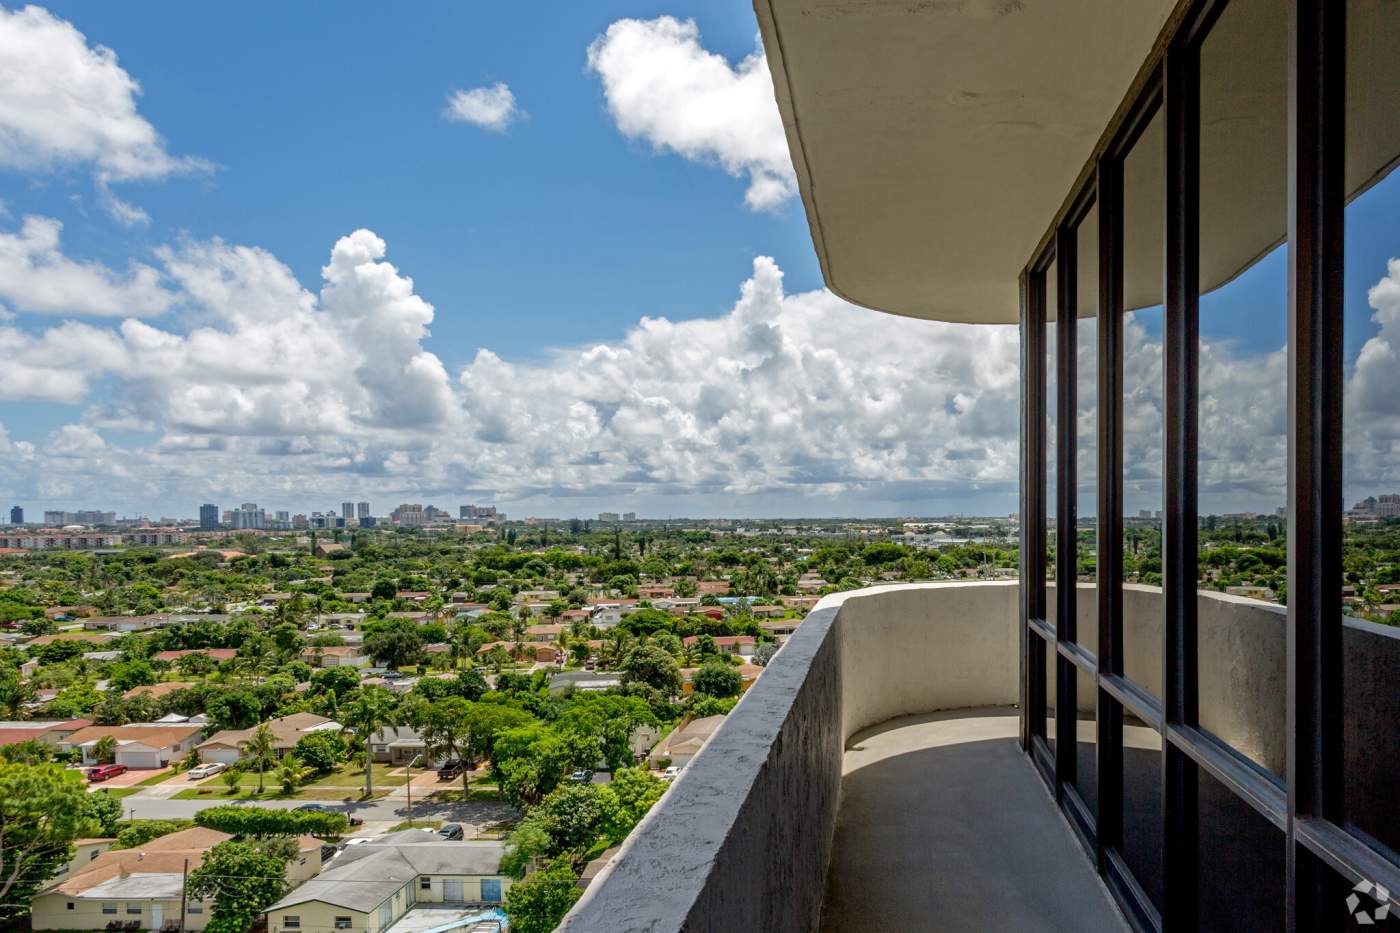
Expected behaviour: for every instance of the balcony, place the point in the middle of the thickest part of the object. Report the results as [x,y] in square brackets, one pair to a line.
[873,779]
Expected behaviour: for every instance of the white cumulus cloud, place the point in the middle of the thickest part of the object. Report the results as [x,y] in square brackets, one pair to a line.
[65,103]
[664,87]
[36,276]
[491,107]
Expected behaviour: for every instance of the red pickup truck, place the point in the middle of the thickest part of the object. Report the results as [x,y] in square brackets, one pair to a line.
[103,772]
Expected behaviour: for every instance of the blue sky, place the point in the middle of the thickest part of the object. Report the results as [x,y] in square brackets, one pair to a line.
[614,302]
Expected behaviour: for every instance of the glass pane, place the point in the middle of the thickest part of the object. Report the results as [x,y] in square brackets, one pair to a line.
[1086,779]
[1144,194]
[1371,443]
[1235,843]
[1052,384]
[1349,906]
[1243,384]
[1086,429]
[1142,805]
[1050,667]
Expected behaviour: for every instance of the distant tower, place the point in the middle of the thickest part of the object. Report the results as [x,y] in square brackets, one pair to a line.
[347,511]
[362,510]
[16,516]
[208,517]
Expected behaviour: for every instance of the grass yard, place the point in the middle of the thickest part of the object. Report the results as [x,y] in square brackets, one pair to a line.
[345,783]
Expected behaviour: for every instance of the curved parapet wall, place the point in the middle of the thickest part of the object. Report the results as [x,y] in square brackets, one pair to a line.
[742,839]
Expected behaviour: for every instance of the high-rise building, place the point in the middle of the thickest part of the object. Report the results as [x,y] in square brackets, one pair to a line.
[248,515]
[361,510]
[347,512]
[16,516]
[208,517]
[608,516]
[410,514]
[629,516]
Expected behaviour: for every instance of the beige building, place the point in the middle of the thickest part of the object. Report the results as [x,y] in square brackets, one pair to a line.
[226,747]
[369,887]
[139,745]
[144,884]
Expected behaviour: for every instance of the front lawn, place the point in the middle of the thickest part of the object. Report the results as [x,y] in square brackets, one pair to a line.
[345,783]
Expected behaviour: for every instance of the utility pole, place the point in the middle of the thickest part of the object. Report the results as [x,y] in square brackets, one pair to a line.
[409,785]
[184,885]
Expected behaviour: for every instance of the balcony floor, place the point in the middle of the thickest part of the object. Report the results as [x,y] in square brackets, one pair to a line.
[944,825]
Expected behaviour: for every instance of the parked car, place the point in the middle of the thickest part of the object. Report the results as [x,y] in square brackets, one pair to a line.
[671,773]
[103,772]
[581,777]
[394,675]
[322,808]
[451,768]
[209,770]
[452,831]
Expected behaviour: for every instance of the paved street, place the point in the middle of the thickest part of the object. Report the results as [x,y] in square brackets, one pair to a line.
[388,809]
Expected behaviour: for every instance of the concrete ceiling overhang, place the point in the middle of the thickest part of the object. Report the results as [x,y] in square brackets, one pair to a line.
[936,140]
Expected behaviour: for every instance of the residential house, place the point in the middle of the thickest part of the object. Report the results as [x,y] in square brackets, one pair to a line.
[156,691]
[398,746]
[51,731]
[527,651]
[356,597]
[144,884]
[412,596]
[655,591]
[728,644]
[712,588]
[214,654]
[139,745]
[100,639]
[369,887]
[334,656]
[685,742]
[226,746]
[545,632]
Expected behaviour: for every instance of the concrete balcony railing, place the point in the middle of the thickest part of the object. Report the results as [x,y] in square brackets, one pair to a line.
[835,785]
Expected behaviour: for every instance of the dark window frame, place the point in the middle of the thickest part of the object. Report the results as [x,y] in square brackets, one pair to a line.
[1308,805]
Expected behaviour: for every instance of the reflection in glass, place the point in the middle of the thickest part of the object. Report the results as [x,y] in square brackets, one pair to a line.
[1086,427]
[1235,843]
[1144,193]
[1050,655]
[1242,464]
[1086,764]
[1052,402]
[1142,805]
[1371,427]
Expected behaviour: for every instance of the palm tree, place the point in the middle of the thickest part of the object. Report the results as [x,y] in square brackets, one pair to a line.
[261,749]
[291,773]
[371,711]
[105,750]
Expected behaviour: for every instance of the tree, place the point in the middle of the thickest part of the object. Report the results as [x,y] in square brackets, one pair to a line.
[265,821]
[233,709]
[764,653]
[718,679]
[42,810]
[383,589]
[321,751]
[242,880]
[445,731]
[260,749]
[104,750]
[538,904]
[647,664]
[103,810]
[371,711]
[127,674]
[395,648]
[573,815]
[291,773]
[634,791]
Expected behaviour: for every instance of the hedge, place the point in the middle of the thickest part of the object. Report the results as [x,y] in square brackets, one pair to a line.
[264,821]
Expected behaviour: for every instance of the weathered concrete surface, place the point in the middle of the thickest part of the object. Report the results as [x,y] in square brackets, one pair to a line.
[945,825]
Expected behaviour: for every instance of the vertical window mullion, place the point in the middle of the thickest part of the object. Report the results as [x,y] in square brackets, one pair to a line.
[1032,500]
[1180,697]
[1316,114]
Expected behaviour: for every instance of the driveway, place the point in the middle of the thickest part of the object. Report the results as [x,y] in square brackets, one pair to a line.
[130,778]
